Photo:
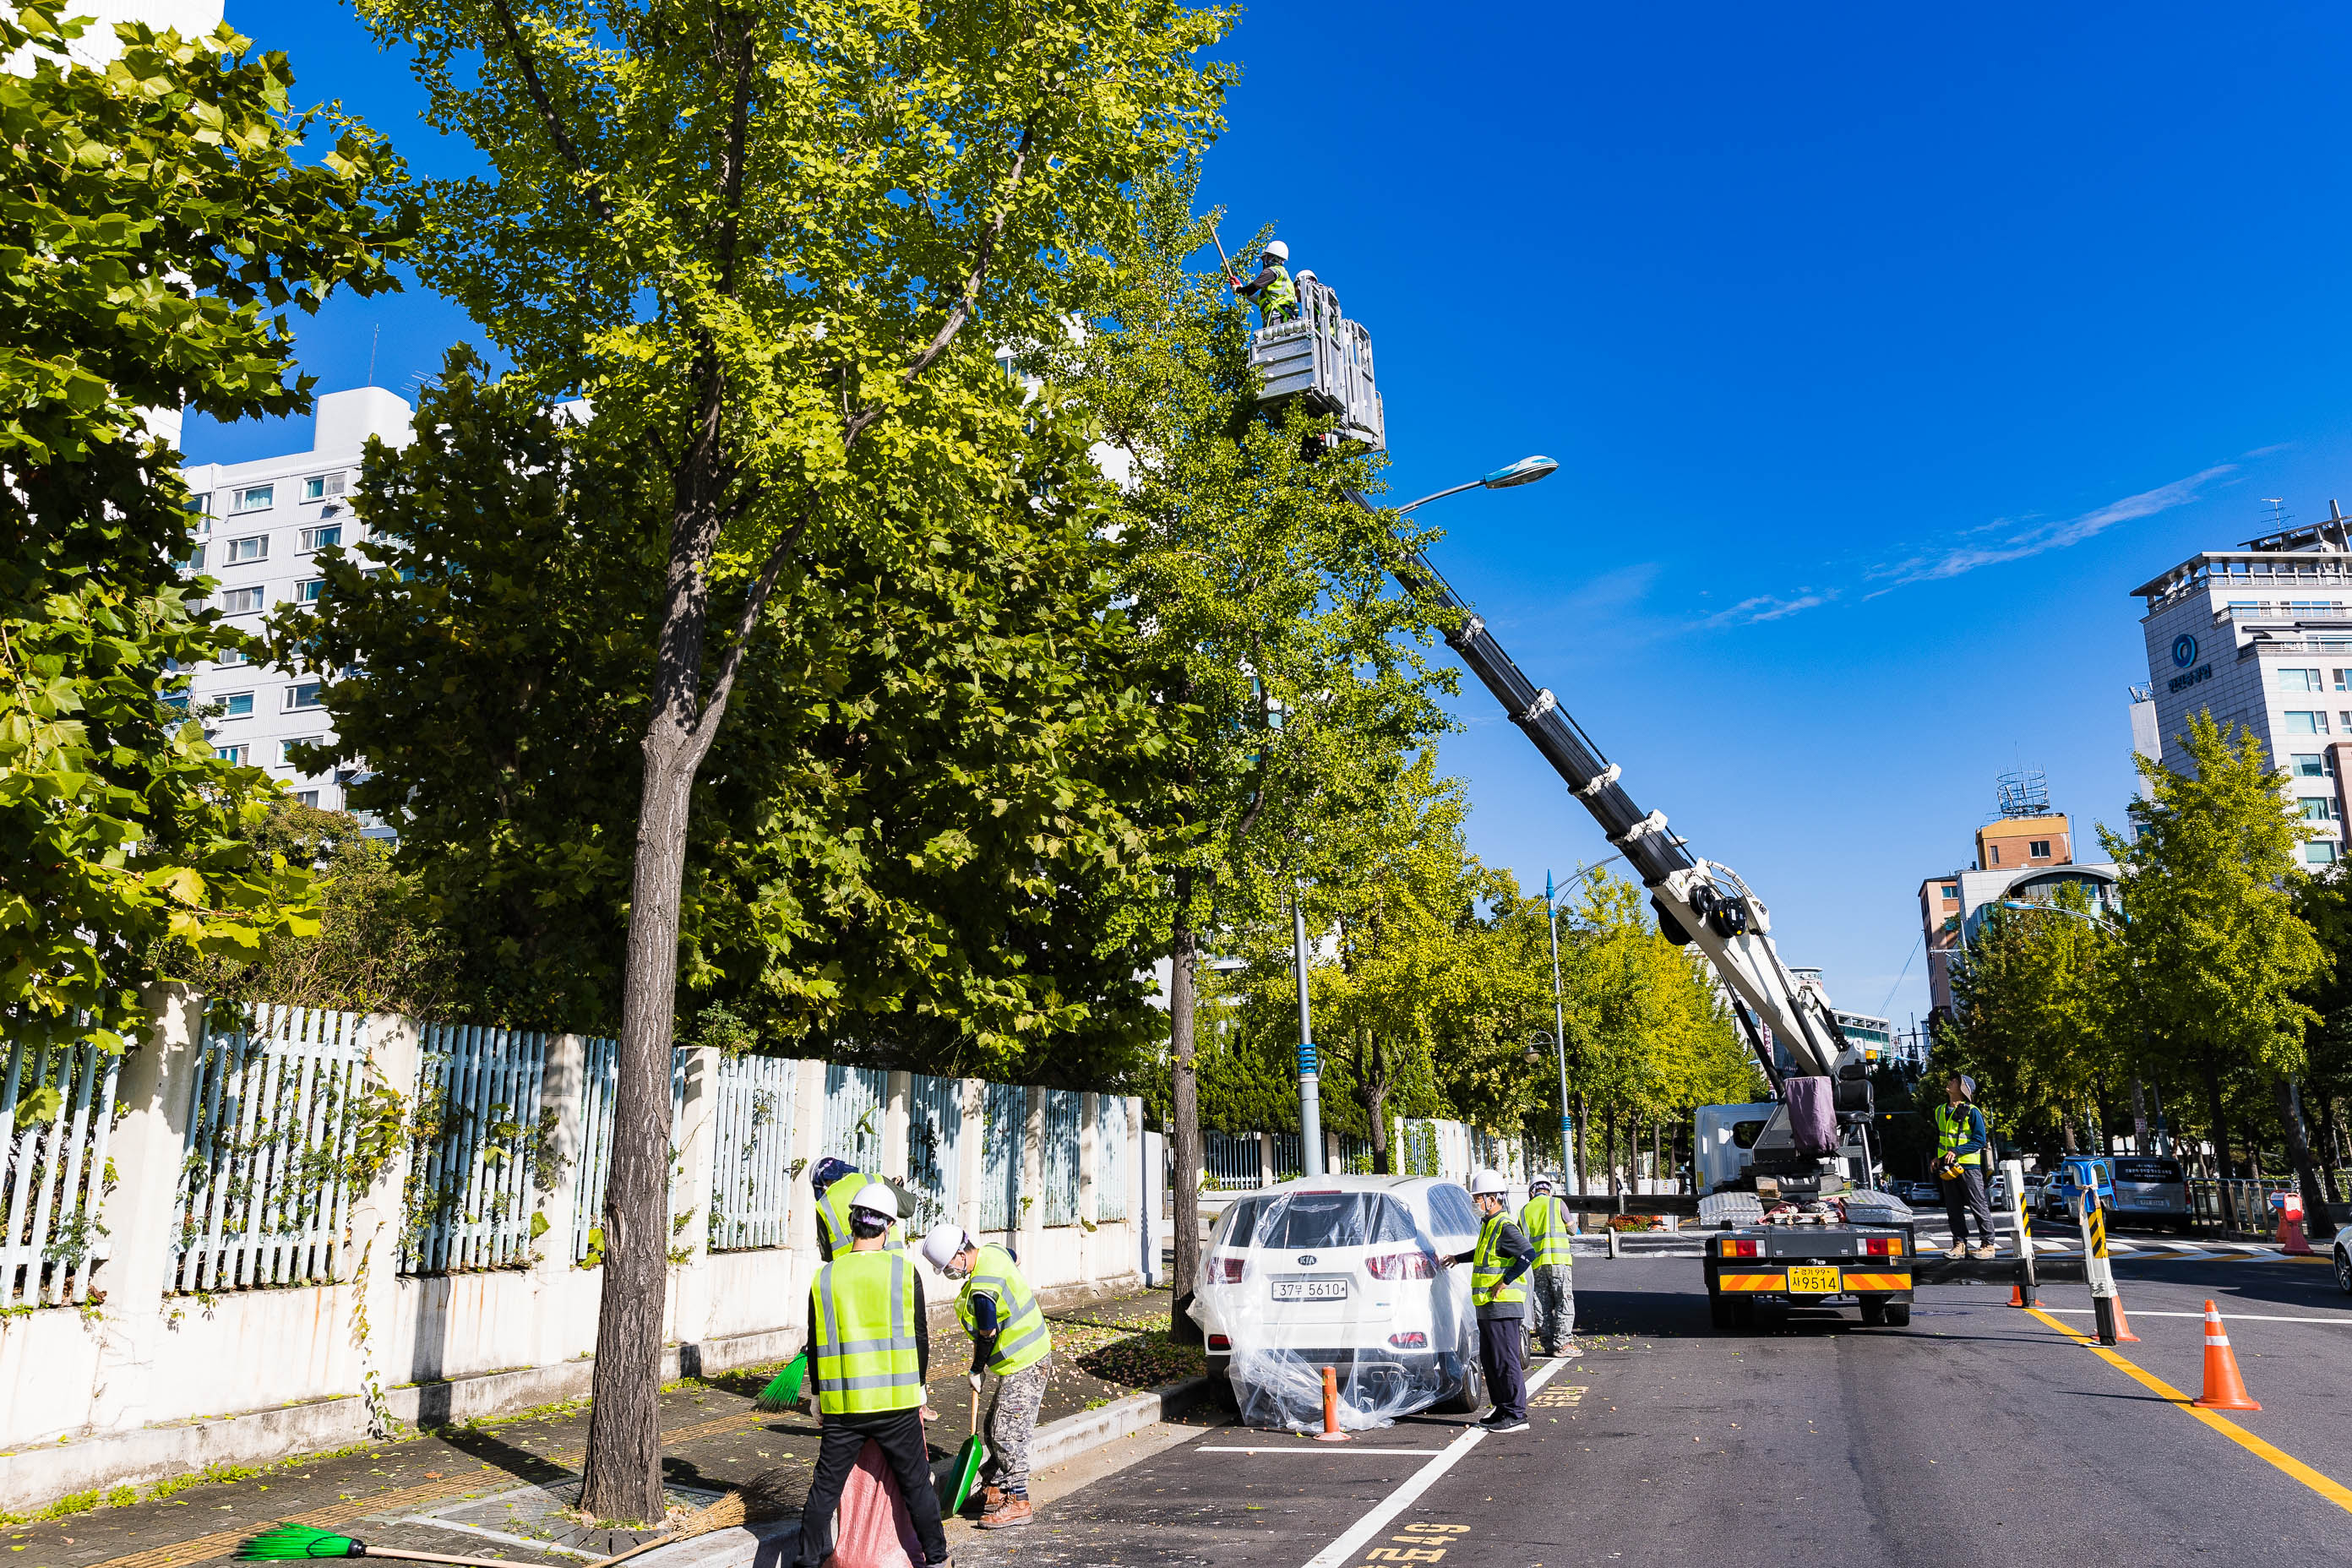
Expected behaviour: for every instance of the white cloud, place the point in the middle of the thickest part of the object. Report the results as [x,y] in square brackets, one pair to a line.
[2021,541]
[1762,608]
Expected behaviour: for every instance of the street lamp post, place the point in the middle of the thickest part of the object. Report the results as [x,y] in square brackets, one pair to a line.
[1560,1038]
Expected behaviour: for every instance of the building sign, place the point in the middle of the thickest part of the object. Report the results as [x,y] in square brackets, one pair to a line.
[2183,682]
[2184,652]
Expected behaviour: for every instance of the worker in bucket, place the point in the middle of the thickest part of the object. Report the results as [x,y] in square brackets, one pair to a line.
[1276,297]
[1962,1140]
[1545,1224]
[869,1352]
[836,1184]
[1499,1266]
[1009,1338]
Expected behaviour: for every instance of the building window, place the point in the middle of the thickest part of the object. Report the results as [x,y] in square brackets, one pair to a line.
[2343,679]
[2319,852]
[2304,721]
[193,558]
[2299,680]
[305,695]
[241,601]
[285,748]
[1952,893]
[236,705]
[1996,854]
[258,497]
[2318,807]
[230,657]
[232,753]
[2313,766]
[2037,848]
[255,548]
[319,487]
[321,537]
[309,797]
[308,592]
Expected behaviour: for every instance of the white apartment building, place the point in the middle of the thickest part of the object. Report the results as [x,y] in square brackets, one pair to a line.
[2261,636]
[261,525]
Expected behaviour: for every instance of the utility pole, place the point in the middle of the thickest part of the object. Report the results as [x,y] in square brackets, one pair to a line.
[1311,1093]
[1560,1043]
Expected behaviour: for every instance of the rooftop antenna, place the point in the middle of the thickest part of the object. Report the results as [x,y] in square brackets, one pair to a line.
[372,341]
[2278,512]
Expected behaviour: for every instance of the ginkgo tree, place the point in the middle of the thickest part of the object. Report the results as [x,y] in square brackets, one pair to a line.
[157,215]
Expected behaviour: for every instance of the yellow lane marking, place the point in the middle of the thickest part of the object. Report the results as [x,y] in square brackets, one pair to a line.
[2335,1491]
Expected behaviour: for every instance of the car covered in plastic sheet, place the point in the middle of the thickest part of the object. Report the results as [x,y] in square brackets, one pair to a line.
[1349,1273]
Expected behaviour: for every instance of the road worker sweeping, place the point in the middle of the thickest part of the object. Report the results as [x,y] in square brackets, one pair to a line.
[870,1351]
[1009,1338]
[1545,1223]
[1499,1264]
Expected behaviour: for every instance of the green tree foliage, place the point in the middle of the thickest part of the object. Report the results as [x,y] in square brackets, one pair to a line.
[154,213]
[918,825]
[2043,999]
[2209,893]
[776,247]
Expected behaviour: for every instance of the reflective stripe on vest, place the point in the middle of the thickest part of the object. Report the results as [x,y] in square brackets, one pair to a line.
[1487,1287]
[1278,296]
[1021,1338]
[1950,1133]
[865,1359]
[1545,1220]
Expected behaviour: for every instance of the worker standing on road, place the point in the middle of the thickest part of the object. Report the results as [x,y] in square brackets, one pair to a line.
[1497,1263]
[1009,1338]
[869,1352]
[1276,297]
[1545,1223]
[1962,1140]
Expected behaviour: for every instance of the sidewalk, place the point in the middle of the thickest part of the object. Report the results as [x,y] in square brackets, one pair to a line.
[477,1490]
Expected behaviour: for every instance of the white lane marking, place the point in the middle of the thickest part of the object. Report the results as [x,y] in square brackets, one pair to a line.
[1405,1496]
[2344,1322]
[1326,1449]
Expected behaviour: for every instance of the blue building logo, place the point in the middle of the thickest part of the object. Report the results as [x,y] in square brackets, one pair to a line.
[2184,651]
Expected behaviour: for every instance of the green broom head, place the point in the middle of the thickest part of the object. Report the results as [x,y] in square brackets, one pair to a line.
[783,1390]
[295,1543]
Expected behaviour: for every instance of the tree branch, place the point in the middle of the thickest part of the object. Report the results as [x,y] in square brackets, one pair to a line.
[546,107]
[755,599]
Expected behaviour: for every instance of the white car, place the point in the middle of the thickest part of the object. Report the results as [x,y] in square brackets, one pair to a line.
[1344,1272]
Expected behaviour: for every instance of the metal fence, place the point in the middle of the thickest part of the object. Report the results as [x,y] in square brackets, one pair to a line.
[476,1158]
[1354,1155]
[2249,1204]
[599,1082]
[750,1186]
[1289,1157]
[1057,1161]
[855,1100]
[274,1111]
[1416,1153]
[1231,1162]
[1004,1125]
[56,1109]
[934,1145]
[1110,1159]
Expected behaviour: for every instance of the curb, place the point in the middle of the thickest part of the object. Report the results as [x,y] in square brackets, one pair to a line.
[771,1544]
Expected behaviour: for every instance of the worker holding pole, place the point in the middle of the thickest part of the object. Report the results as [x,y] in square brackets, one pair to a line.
[1009,1338]
[1276,296]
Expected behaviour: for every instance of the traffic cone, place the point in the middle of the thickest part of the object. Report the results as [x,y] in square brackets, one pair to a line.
[2016,1295]
[2124,1336]
[2224,1389]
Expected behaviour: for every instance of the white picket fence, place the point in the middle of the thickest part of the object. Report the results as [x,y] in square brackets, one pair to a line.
[476,1162]
[55,1170]
[750,1188]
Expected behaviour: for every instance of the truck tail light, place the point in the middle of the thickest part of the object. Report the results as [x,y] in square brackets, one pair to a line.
[1220,1342]
[1413,1339]
[1883,1246]
[1732,1246]
[1229,1271]
[1402,1265]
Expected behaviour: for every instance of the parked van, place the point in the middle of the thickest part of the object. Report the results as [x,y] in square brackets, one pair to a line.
[2151,1189]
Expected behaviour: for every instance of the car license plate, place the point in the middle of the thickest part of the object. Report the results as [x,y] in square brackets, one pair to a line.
[1814,1282]
[1312,1289]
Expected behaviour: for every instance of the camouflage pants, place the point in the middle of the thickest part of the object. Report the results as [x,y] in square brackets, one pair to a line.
[1012,1416]
[1554,1304]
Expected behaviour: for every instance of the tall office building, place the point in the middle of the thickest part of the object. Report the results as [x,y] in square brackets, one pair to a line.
[2261,638]
[260,526]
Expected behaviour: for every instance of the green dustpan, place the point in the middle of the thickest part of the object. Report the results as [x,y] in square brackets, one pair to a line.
[783,1390]
[968,1460]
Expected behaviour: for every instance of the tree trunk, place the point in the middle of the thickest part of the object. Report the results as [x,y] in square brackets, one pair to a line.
[2332,1137]
[2298,1152]
[2139,1116]
[2221,1134]
[1184,1109]
[1608,1151]
[1376,1107]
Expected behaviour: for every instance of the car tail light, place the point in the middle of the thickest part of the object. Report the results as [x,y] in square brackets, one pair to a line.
[1414,1340]
[1402,1265]
[1732,1246]
[1229,1270]
[1220,1342]
[1883,1246]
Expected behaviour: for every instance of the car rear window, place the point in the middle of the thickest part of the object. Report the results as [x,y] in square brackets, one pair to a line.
[1285,1221]
[2147,1170]
[1450,1205]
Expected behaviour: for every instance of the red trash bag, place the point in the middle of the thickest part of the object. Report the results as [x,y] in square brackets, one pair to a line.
[872,1528]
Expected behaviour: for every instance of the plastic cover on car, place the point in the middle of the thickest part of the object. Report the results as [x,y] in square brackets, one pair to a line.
[1282,1388]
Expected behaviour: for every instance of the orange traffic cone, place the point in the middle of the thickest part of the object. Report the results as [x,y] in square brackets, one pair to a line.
[2016,1295]
[2124,1336]
[2224,1389]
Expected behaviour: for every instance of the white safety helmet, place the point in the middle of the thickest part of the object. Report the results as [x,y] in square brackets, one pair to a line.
[875,1197]
[1278,251]
[1489,1183]
[1540,1185]
[1306,275]
[943,1242]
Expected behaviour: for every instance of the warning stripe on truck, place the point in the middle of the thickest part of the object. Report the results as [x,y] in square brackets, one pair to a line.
[1878,1281]
[1752,1282]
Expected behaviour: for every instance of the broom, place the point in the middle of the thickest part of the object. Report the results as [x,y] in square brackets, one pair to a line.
[783,1390]
[300,1543]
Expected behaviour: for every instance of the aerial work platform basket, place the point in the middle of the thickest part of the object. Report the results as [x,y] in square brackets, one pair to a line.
[1326,359]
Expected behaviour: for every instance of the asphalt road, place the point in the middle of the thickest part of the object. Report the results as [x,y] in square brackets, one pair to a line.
[1981,1434]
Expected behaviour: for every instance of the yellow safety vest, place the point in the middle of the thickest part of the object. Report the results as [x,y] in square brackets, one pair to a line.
[1278,298]
[1545,1220]
[864,1356]
[1487,1287]
[1951,1131]
[1022,1339]
[832,1214]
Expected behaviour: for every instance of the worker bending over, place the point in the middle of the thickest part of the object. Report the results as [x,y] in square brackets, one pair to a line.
[1497,1264]
[870,1351]
[1009,1338]
[1276,297]
[1962,1140]
[837,1183]
[1546,1225]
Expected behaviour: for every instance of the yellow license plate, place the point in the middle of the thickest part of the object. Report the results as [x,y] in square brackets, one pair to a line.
[1814,1282]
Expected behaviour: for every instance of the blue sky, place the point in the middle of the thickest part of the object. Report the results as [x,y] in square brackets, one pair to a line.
[1883,352]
